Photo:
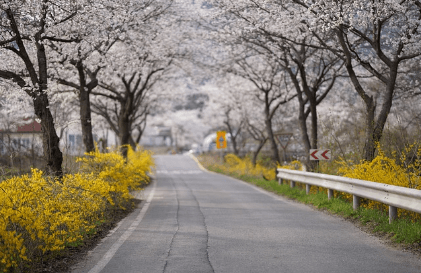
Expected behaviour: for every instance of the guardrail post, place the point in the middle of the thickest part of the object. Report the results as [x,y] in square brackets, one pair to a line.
[393,213]
[292,184]
[280,181]
[308,187]
[355,202]
[329,194]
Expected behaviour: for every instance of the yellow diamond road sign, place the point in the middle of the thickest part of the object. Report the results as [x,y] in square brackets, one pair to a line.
[221,140]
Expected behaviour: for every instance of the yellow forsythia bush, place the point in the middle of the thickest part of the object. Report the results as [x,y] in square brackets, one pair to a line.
[385,170]
[120,175]
[293,165]
[244,166]
[39,214]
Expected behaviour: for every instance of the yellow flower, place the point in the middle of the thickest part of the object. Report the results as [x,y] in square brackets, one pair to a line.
[38,212]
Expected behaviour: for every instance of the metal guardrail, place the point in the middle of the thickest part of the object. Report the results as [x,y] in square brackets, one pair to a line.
[394,196]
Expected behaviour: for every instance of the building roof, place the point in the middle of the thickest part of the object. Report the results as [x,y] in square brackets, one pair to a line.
[33,127]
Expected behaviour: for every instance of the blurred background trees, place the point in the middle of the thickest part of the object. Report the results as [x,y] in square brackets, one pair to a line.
[170,74]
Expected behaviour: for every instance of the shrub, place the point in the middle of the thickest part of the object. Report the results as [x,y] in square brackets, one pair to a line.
[41,214]
[387,171]
[244,167]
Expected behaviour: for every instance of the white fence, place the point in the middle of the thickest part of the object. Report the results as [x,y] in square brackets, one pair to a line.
[394,196]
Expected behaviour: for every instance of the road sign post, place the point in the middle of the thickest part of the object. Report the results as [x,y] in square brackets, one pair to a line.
[283,139]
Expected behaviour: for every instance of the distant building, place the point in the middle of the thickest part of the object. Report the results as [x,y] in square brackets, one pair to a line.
[21,138]
[157,136]
[71,139]
[21,145]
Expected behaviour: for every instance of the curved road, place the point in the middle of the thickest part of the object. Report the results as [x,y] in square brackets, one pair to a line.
[196,221]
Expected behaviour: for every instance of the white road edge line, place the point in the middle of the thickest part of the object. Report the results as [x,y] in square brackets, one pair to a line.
[113,249]
[198,163]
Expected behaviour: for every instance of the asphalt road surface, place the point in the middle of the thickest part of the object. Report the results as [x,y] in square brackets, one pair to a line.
[196,221]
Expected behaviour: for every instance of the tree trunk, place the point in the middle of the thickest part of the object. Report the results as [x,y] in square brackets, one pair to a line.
[50,140]
[132,143]
[234,145]
[256,153]
[313,110]
[313,164]
[86,121]
[85,110]
[302,118]
[272,141]
[370,142]
[139,136]
[304,132]
[234,137]
[124,134]
[375,127]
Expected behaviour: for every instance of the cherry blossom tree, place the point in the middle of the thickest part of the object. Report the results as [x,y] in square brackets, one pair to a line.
[374,38]
[26,26]
[114,20]
[128,87]
[276,30]
[83,84]
[271,89]
[131,105]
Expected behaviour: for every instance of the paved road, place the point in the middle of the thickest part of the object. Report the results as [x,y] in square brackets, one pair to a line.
[195,221]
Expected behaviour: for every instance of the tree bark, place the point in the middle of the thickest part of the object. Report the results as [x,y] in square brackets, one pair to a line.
[313,164]
[272,141]
[85,109]
[370,142]
[256,153]
[233,134]
[50,140]
[257,135]
[126,109]
[124,133]
[84,91]
[302,116]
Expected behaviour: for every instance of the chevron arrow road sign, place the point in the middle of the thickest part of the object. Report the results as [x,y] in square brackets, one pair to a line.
[316,154]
